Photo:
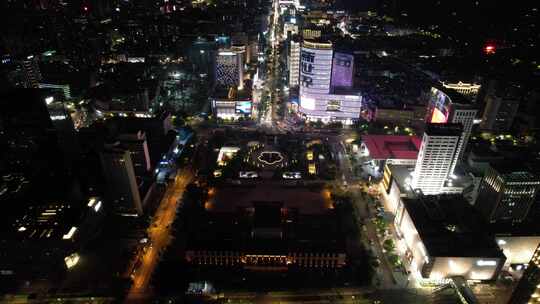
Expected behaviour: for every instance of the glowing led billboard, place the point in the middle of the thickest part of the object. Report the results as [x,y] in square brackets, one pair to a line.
[307,103]
[439,107]
[315,68]
[243,107]
[342,70]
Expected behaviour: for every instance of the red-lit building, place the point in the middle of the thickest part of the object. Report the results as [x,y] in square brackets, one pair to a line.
[391,149]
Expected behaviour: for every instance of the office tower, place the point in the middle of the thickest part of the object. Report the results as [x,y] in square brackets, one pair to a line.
[528,288]
[64,128]
[499,113]
[437,153]
[229,68]
[506,193]
[122,188]
[294,62]
[36,128]
[450,107]
[342,70]
[31,71]
[137,146]
[315,67]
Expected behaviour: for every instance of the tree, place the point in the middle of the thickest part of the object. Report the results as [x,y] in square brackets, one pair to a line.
[389,245]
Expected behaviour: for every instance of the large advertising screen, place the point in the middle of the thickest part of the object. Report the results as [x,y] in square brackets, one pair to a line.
[439,107]
[342,70]
[315,69]
[243,107]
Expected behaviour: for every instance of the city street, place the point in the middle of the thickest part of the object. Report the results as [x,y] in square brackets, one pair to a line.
[159,234]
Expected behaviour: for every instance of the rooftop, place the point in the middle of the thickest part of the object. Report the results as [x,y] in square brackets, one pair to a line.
[392,146]
[307,200]
[449,226]
[455,96]
[512,173]
[449,129]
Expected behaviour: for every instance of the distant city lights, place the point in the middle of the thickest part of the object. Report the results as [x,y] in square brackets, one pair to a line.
[490,49]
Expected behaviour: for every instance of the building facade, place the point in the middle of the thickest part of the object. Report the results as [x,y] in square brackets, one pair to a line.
[528,288]
[317,101]
[294,63]
[499,113]
[443,240]
[229,68]
[506,194]
[449,106]
[315,68]
[436,157]
[122,188]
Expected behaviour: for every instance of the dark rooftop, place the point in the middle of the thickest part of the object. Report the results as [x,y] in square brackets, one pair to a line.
[449,129]
[449,226]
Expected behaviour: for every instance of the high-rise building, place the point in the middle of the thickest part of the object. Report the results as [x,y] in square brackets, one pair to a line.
[203,55]
[528,288]
[437,153]
[294,63]
[449,106]
[317,100]
[230,68]
[506,193]
[122,188]
[32,72]
[499,113]
[315,67]
[138,148]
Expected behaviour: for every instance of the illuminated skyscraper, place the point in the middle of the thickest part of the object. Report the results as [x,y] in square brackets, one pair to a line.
[438,150]
[315,67]
[507,193]
[317,100]
[229,68]
[451,107]
[294,63]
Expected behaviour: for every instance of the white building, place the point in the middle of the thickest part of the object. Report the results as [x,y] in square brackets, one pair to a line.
[331,107]
[463,115]
[317,102]
[451,107]
[436,157]
[315,67]
[294,64]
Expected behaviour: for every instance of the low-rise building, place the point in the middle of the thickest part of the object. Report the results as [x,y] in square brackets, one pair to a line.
[446,237]
[266,228]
